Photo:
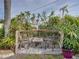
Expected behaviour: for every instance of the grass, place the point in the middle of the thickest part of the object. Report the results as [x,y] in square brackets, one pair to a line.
[44,57]
[32,56]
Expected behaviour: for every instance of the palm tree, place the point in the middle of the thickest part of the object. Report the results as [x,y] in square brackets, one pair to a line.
[63,10]
[33,18]
[38,16]
[21,17]
[7,16]
[52,13]
[28,15]
[43,17]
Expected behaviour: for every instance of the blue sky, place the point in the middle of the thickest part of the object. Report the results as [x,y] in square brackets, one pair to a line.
[34,6]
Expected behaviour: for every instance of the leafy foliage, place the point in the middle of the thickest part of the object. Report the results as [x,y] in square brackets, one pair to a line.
[1,33]
[69,25]
[7,43]
[20,22]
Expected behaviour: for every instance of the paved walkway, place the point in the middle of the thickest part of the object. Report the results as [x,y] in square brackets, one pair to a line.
[12,57]
[8,54]
[5,54]
[16,57]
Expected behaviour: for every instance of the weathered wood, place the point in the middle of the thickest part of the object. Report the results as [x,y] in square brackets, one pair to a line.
[23,39]
[16,45]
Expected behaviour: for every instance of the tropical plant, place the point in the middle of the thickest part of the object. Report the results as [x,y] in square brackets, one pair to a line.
[27,15]
[20,22]
[33,18]
[70,28]
[7,43]
[1,33]
[1,21]
[43,16]
[51,14]
[63,10]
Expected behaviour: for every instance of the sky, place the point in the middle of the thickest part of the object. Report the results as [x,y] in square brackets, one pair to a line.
[38,6]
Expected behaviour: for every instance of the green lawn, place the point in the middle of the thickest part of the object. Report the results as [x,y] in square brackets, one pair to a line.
[44,57]
[36,57]
[31,56]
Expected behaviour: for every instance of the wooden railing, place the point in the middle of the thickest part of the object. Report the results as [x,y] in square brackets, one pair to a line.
[22,36]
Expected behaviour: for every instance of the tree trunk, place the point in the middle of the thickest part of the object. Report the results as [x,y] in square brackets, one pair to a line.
[7,16]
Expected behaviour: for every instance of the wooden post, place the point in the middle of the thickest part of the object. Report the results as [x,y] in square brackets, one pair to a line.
[61,38]
[17,44]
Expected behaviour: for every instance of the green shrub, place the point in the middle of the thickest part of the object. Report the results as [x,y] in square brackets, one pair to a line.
[1,33]
[7,43]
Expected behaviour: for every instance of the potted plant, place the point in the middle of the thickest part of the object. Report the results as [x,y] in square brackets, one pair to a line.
[69,45]
[67,48]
